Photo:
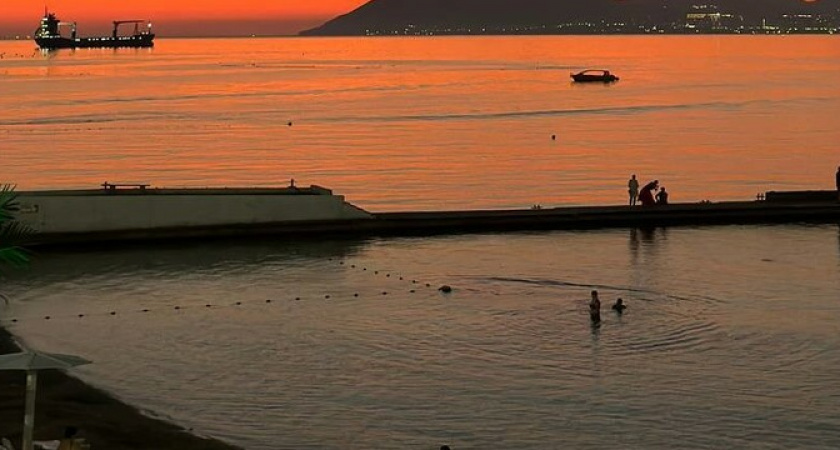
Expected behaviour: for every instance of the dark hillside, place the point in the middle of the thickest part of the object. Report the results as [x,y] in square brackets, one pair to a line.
[439,14]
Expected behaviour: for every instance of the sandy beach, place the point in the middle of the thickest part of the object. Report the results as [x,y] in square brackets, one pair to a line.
[103,420]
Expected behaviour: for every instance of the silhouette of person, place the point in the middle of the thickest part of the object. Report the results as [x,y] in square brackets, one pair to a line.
[837,182]
[633,189]
[619,306]
[595,308]
[646,195]
[662,197]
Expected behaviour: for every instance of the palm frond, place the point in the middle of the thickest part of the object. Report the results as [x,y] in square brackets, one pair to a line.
[12,233]
[15,257]
[8,202]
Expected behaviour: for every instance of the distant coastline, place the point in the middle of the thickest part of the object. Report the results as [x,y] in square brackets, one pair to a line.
[593,17]
[430,33]
[582,30]
[454,34]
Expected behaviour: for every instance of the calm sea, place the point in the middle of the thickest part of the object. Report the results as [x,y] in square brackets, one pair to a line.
[412,123]
[732,336]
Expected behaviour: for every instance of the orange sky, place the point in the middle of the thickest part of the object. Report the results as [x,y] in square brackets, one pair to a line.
[174,17]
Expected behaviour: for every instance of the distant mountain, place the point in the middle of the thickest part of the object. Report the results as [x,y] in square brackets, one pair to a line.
[402,15]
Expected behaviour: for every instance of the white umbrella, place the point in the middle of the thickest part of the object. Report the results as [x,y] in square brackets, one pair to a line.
[32,362]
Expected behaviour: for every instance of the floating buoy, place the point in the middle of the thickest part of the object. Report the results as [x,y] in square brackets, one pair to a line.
[268,301]
[446,289]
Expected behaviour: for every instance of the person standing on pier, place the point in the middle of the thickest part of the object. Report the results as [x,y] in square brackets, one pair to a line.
[633,190]
[837,182]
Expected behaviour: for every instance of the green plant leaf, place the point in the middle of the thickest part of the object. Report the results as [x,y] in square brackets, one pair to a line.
[8,202]
[12,233]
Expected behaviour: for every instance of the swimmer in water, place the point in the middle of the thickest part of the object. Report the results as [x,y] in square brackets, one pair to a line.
[619,306]
[595,308]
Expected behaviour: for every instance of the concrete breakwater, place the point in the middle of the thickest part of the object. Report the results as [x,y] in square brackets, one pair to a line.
[140,214]
[139,208]
[726,213]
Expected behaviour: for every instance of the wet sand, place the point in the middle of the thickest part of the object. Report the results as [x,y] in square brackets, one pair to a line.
[104,421]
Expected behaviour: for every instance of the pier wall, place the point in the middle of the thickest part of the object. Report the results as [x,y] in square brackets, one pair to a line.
[54,214]
[74,217]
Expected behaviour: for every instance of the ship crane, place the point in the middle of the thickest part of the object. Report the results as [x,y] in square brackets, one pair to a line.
[72,26]
[136,23]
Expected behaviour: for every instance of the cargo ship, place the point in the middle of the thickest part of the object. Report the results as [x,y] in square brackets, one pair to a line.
[48,35]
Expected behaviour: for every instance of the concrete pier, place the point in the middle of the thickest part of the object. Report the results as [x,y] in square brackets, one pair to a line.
[777,208]
[129,212]
[726,213]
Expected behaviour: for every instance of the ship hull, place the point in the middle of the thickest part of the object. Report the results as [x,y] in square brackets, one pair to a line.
[136,41]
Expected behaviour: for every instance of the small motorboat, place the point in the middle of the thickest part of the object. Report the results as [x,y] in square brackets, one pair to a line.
[594,76]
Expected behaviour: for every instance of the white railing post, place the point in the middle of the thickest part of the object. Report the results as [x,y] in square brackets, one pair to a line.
[29,415]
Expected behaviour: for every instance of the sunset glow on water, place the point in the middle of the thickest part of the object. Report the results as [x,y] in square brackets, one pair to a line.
[450,123]
[730,340]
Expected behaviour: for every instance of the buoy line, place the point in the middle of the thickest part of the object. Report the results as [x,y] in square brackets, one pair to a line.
[415,284]
[250,304]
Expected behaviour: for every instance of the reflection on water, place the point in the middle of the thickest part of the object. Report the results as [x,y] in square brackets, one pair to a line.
[437,123]
[184,259]
[730,338]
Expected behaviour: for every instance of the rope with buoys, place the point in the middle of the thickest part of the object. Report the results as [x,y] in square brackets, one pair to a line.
[414,283]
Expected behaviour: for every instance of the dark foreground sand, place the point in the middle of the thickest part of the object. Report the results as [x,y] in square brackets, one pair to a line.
[104,421]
